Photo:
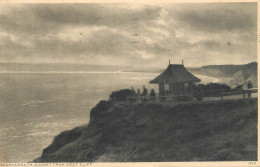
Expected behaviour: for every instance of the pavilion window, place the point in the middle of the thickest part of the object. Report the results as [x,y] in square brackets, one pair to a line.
[167,87]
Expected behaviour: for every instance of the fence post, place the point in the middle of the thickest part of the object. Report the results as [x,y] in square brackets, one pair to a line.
[222,94]
[243,93]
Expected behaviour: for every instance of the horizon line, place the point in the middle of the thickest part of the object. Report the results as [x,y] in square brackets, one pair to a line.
[29,63]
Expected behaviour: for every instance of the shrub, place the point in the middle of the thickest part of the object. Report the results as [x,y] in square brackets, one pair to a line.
[211,89]
[121,95]
[238,87]
[199,95]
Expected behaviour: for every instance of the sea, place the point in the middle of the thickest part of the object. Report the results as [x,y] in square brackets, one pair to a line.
[37,106]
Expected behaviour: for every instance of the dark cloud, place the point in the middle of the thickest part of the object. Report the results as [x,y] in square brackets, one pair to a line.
[93,14]
[23,21]
[46,18]
[219,17]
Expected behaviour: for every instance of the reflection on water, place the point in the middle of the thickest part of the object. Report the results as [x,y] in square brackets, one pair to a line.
[35,107]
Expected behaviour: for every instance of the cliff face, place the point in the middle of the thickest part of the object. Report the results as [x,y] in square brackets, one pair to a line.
[230,74]
[212,131]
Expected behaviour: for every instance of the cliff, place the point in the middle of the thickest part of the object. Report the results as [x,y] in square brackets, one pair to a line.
[230,74]
[209,131]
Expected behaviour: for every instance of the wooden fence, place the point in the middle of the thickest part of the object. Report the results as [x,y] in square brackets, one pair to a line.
[197,96]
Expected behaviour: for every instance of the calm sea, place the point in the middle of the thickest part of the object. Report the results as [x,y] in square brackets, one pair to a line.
[35,107]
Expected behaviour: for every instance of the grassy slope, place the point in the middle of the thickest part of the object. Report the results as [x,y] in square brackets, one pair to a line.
[217,131]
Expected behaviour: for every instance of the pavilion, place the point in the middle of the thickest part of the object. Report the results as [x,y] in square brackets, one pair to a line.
[175,80]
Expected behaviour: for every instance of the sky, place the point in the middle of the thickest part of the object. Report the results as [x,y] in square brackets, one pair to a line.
[129,34]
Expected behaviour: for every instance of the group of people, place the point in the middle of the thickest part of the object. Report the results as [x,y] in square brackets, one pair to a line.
[142,96]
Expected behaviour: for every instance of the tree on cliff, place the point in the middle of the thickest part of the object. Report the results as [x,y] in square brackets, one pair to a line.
[121,95]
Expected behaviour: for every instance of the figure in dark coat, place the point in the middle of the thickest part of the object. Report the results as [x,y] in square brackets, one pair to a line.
[144,94]
[249,86]
[138,96]
[152,94]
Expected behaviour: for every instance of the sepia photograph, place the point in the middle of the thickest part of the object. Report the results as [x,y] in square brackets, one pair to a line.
[128,82]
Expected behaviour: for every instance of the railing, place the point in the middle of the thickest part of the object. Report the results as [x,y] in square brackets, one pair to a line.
[197,96]
[160,98]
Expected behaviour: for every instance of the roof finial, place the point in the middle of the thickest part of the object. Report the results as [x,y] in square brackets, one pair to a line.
[182,62]
[169,61]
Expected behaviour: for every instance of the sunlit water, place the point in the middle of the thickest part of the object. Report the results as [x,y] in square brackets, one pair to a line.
[35,107]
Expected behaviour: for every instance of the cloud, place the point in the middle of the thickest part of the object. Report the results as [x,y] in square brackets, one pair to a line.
[44,18]
[129,34]
[218,17]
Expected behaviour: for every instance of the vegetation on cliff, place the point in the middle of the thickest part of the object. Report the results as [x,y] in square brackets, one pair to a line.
[208,131]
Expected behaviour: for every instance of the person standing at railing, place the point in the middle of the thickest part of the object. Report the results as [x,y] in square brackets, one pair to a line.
[138,96]
[152,95]
[249,86]
[144,94]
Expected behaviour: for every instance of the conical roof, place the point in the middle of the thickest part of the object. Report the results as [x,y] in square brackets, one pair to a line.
[175,73]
